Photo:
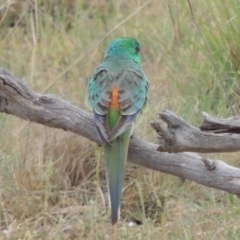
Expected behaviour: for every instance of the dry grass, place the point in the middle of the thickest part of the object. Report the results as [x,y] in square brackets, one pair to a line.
[51,184]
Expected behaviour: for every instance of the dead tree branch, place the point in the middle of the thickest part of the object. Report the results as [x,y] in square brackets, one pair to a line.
[179,136]
[18,99]
[216,125]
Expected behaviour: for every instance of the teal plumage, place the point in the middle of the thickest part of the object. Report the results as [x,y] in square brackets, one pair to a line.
[117,93]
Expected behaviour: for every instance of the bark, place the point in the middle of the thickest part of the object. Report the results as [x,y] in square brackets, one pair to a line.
[18,99]
[228,125]
[219,135]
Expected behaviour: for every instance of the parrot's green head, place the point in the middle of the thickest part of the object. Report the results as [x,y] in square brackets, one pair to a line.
[124,47]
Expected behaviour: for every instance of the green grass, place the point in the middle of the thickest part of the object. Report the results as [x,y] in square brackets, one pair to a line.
[51,185]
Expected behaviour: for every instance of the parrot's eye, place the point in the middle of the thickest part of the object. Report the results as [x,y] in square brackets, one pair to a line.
[137,48]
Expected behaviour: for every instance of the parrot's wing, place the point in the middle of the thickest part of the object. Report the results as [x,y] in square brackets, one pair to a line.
[100,86]
[133,87]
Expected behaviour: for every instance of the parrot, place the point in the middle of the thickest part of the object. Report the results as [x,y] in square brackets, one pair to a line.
[117,93]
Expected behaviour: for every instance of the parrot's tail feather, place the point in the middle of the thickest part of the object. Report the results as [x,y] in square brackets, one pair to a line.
[115,158]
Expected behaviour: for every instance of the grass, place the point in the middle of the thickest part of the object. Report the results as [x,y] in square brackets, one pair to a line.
[52,186]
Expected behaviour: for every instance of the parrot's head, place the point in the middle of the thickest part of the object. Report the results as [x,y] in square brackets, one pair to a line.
[126,47]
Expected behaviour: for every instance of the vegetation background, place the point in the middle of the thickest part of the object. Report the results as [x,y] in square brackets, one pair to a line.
[51,184]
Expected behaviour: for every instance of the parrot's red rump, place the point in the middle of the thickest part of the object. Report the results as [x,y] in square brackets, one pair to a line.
[114,104]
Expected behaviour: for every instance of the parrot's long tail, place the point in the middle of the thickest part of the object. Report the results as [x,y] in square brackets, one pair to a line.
[115,158]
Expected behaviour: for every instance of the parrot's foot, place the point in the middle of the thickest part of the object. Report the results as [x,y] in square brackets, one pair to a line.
[132,136]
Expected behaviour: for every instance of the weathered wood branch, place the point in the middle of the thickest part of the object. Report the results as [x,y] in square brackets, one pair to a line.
[18,99]
[228,125]
[180,136]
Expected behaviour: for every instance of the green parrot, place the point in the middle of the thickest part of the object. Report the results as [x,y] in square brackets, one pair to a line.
[117,92]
